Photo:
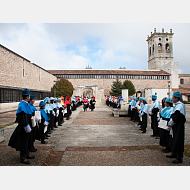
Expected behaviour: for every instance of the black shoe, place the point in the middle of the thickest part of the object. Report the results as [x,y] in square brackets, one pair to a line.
[140,129]
[167,151]
[49,133]
[157,137]
[144,132]
[177,161]
[164,150]
[153,135]
[171,156]
[30,157]
[48,136]
[59,125]
[33,150]
[25,161]
[44,142]
[55,127]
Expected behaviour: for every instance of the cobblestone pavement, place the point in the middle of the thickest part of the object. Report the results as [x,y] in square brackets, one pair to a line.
[96,139]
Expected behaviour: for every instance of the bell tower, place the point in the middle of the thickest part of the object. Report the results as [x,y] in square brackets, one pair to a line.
[160,55]
[160,49]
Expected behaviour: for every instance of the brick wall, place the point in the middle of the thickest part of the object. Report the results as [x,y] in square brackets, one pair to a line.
[16,71]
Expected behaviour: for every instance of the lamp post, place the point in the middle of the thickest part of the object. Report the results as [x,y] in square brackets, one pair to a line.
[54,86]
[169,87]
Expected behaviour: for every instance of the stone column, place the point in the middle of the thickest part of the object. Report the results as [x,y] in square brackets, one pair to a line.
[124,99]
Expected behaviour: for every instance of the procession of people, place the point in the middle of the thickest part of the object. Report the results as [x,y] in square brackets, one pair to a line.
[38,125]
[167,121]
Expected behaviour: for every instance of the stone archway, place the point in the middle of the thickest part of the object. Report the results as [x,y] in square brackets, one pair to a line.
[87,92]
[138,94]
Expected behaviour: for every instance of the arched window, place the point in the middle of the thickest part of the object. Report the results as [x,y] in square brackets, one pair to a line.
[159,48]
[167,48]
[150,51]
[181,81]
[153,48]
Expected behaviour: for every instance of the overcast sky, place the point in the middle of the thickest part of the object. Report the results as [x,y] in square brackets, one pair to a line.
[101,46]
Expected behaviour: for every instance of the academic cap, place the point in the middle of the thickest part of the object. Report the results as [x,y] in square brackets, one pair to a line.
[32,96]
[145,99]
[169,100]
[154,96]
[46,100]
[52,98]
[177,94]
[25,92]
[55,99]
[42,103]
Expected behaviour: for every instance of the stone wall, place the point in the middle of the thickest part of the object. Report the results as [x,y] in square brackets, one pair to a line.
[16,71]
[140,84]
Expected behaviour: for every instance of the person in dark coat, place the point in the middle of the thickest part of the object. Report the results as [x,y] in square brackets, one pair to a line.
[144,114]
[177,123]
[92,103]
[20,137]
[154,110]
[43,124]
[35,132]
[165,137]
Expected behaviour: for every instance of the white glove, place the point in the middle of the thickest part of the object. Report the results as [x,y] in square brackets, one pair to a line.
[46,123]
[27,129]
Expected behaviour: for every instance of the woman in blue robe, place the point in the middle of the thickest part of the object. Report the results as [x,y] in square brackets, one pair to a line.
[165,137]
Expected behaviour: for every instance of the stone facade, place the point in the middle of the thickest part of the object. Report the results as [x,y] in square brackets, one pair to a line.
[16,71]
[105,84]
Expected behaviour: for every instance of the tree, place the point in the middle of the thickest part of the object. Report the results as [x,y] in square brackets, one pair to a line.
[64,88]
[116,88]
[127,84]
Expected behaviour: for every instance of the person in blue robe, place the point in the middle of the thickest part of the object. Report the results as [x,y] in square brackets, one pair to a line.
[144,114]
[20,137]
[154,110]
[35,132]
[133,104]
[44,122]
[177,124]
[165,137]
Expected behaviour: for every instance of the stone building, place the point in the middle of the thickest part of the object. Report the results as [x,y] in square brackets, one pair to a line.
[17,73]
[160,78]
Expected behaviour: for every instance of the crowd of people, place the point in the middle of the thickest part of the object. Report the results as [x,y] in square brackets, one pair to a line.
[38,125]
[167,122]
[113,101]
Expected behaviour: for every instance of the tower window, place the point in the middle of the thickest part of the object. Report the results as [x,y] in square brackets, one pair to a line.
[150,51]
[167,48]
[160,39]
[159,48]
[166,39]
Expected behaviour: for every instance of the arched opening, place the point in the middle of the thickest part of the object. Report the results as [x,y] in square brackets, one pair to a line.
[150,52]
[159,48]
[167,48]
[153,49]
[88,92]
[138,94]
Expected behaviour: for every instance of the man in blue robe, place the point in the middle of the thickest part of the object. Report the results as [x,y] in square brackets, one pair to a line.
[20,137]
[177,123]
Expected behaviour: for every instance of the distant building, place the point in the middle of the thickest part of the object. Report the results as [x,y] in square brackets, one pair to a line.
[160,78]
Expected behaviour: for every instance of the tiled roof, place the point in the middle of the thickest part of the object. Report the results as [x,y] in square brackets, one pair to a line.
[182,90]
[108,72]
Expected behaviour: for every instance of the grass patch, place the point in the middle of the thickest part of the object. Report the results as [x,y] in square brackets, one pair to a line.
[9,124]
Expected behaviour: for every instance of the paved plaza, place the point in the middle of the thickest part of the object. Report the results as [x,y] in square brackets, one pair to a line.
[94,139]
